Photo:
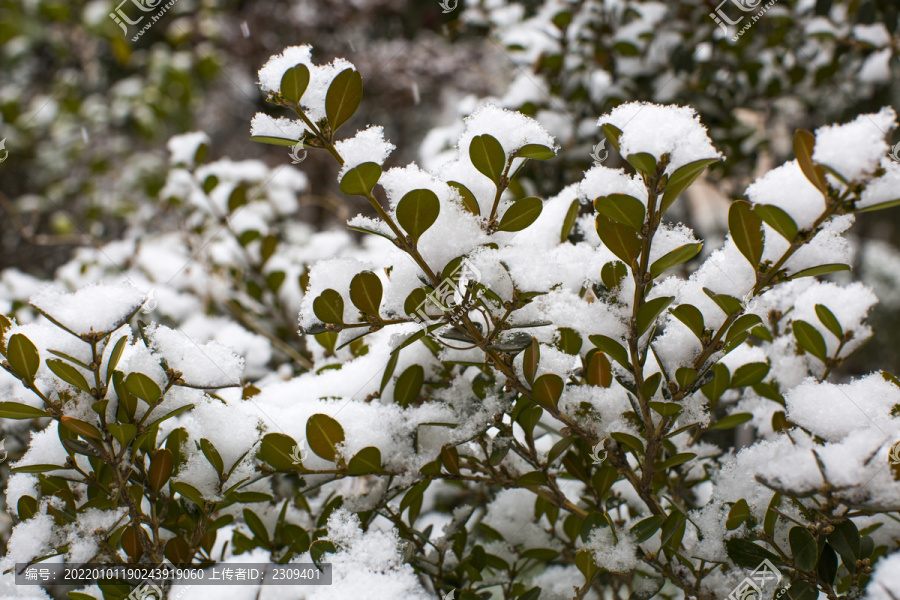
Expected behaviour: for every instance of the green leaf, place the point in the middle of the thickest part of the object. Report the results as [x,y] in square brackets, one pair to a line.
[802,590]
[739,513]
[82,428]
[329,307]
[409,385]
[678,459]
[547,389]
[366,292]
[143,387]
[36,468]
[742,324]
[278,450]
[749,374]
[361,179]
[256,526]
[532,479]
[648,313]
[275,141]
[68,373]
[809,338]
[644,530]
[804,143]
[629,441]
[488,157]
[845,540]
[747,554]
[804,549]
[720,382]
[124,433]
[294,82]
[417,211]
[536,152]
[343,97]
[731,421]
[820,270]
[729,304]
[366,461]
[468,198]
[745,227]
[674,258]
[620,239]
[613,134]
[161,467]
[319,549]
[584,560]
[521,214]
[15,410]
[829,320]
[598,371]
[530,360]
[569,221]
[612,348]
[212,455]
[322,434]
[682,179]
[827,567]
[880,206]
[665,409]
[691,316]
[623,209]
[646,163]
[23,357]
[778,220]
[114,356]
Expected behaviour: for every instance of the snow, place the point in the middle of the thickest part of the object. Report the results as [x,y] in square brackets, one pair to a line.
[885,579]
[183,148]
[265,126]
[856,148]
[788,188]
[882,189]
[658,130]
[367,145]
[618,557]
[98,308]
[272,72]
[210,365]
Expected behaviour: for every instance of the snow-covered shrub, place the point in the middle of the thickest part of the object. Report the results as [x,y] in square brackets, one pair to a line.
[508,396]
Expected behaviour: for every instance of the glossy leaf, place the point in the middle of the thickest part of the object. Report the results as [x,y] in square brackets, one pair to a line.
[366,292]
[487,156]
[468,198]
[361,179]
[845,540]
[828,319]
[623,209]
[530,359]
[409,385]
[161,467]
[747,554]
[366,461]
[682,179]
[804,549]
[809,339]
[620,239]
[212,455]
[294,83]
[820,270]
[417,212]
[23,357]
[329,307]
[343,97]
[114,356]
[598,370]
[569,221]
[613,348]
[547,389]
[739,513]
[521,214]
[745,227]
[322,434]
[731,421]
[749,374]
[17,410]
[536,152]
[68,373]
[690,316]
[674,258]
[648,313]
[804,143]
[82,428]
[644,530]
[143,387]
[642,161]
[778,220]
[279,450]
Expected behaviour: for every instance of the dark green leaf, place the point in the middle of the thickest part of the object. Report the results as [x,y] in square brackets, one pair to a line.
[569,221]
[665,409]
[409,385]
[731,421]
[16,410]
[747,554]
[114,356]
[294,82]
[530,360]
[803,548]
[468,198]
[623,209]
[820,270]
[275,141]
[343,97]
[68,373]
[613,134]
[749,374]
[487,156]
[521,214]
[690,316]
[23,357]
[745,227]
[778,220]
[646,163]
[742,324]
[674,258]
[329,307]
[143,387]
[82,428]
[547,389]
[804,143]
[809,338]
[829,320]
[845,540]
[620,239]
[366,292]
[279,451]
[536,152]
[417,212]
[366,461]
[629,441]
[532,479]
[682,179]
[648,313]
[612,348]
[739,513]
[644,530]
[323,433]
[360,180]
[256,526]
[212,455]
